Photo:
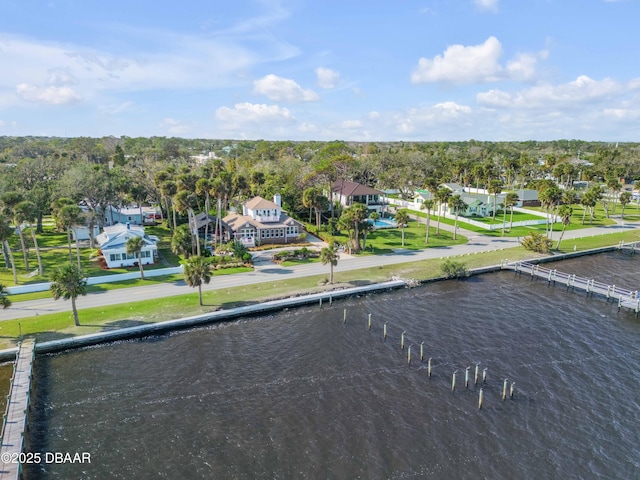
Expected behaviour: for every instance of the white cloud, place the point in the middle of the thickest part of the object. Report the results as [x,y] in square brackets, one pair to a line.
[351,124]
[489,5]
[2,123]
[573,94]
[460,64]
[174,126]
[253,112]
[281,89]
[48,95]
[251,120]
[327,78]
[522,68]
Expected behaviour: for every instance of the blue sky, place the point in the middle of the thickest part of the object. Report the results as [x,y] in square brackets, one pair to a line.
[371,70]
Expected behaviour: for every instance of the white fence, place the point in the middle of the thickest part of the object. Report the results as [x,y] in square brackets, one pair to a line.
[496,226]
[118,277]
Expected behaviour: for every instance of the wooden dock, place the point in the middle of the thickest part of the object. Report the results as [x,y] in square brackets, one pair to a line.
[14,421]
[624,297]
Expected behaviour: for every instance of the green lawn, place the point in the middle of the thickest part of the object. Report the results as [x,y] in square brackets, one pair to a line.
[576,224]
[389,239]
[54,326]
[54,251]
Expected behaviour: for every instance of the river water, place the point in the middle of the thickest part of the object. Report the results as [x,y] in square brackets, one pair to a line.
[302,395]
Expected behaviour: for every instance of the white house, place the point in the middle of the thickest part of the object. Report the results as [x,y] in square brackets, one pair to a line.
[113,245]
[262,222]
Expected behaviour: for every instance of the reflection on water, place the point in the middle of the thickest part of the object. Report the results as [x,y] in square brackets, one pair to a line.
[302,395]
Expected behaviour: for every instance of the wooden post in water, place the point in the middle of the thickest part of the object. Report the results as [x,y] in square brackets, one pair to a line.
[344,319]
[453,381]
[320,302]
[429,368]
[476,375]
[369,323]
[422,351]
[512,390]
[504,390]
[330,300]
[402,340]
[480,400]
[484,376]
[409,355]
[384,331]
[466,377]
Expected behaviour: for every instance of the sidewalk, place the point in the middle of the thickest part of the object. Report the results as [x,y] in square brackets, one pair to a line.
[477,243]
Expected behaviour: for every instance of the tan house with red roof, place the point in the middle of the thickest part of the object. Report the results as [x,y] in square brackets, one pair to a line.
[348,193]
[262,222]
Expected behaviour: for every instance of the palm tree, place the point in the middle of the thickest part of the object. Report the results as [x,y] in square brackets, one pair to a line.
[510,201]
[442,196]
[67,282]
[402,218]
[26,212]
[329,255]
[70,216]
[312,198]
[494,188]
[10,201]
[625,198]
[5,234]
[4,297]
[456,203]
[549,197]
[353,216]
[589,200]
[564,211]
[427,205]
[197,270]
[135,245]
[203,185]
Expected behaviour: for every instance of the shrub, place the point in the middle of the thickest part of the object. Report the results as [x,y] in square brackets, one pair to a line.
[246,258]
[537,242]
[454,269]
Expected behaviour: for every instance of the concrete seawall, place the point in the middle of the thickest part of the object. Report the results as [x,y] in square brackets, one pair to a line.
[188,322]
[260,308]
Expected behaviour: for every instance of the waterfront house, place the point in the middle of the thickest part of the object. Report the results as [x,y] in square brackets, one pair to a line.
[348,193]
[113,245]
[262,222]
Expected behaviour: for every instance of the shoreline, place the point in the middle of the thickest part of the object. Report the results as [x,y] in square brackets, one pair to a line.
[262,307]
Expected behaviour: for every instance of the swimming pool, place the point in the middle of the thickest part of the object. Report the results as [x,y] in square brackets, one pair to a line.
[383,223]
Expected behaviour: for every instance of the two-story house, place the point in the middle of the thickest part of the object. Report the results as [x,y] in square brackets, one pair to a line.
[348,193]
[262,222]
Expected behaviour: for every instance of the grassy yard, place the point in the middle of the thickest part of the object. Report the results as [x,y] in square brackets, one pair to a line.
[54,251]
[389,239]
[54,326]
[576,224]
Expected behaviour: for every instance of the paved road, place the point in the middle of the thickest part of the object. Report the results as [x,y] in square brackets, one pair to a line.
[266,271]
